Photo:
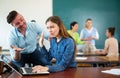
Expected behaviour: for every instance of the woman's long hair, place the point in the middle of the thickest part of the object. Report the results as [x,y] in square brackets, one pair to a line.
[62,32]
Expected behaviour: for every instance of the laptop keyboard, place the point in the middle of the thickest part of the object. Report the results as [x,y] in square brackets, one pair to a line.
[28,70]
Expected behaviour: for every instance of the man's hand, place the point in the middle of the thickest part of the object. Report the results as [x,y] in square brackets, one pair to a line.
[16,49]
[87,42]
[90,38]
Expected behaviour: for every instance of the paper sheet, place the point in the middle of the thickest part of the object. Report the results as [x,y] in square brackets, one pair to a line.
[81,58]
[112,71]
[80,53]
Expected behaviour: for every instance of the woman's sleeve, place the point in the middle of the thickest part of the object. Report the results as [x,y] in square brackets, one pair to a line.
[79,41]
[106,46]
[67,58]
[46,53]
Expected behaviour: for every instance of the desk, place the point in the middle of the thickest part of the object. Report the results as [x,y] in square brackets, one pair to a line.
[6,52]
[92,60]
[73,73]
[111,59]
[89,54]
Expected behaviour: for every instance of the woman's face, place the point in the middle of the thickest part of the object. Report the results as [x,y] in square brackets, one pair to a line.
[75,27]
[53,29]
[107,33]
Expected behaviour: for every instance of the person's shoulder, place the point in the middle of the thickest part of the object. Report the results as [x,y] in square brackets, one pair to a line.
[115,39]
[76,33]
[108,39]
[52,39]
[94,28]
[12,29]
[68,40]
[12,32]
[31,23]
[68,31]
[82,30]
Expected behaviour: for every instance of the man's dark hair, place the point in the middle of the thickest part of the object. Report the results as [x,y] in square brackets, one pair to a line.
[72,24]
[11,16]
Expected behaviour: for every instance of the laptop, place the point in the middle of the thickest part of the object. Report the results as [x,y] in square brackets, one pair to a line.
[21,70]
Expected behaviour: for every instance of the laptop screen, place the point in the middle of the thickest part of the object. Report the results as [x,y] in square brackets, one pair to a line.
[7,61]
[22,70]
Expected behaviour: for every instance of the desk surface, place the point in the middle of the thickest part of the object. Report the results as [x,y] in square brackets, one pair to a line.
[6,52]
[110,58]
[73,73]
[91,59]
[89,54]
[100,59]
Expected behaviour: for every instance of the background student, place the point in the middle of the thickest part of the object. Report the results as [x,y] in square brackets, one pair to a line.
[89,33]
[62,47]
[111,44]
[73,32]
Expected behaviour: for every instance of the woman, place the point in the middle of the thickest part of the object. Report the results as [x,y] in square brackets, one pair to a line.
[73,32]
[62,47]
[111,44]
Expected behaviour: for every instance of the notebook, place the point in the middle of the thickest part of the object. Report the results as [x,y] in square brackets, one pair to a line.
[21,70]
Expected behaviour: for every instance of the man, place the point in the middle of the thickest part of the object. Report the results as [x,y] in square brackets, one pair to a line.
[22,41]
[89,33]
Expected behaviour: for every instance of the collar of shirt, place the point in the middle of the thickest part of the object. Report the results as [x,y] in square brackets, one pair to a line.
[19,34]
[89,30]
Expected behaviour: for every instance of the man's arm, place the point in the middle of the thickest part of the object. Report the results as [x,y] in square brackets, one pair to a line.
[17,51]
[14,50]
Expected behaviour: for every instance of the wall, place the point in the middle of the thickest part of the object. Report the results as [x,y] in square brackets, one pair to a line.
[104,13]
[38,10]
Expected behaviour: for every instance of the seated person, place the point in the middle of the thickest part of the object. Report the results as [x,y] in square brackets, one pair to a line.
[62,47]
[73,32]
[111,44]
